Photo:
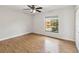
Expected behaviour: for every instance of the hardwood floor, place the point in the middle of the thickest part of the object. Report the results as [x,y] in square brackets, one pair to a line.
[33,43]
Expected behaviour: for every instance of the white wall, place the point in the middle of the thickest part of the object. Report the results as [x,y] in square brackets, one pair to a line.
[66,23]
[13,23]
[77,27]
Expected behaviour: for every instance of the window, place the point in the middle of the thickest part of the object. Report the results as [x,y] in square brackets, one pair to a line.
[51,24]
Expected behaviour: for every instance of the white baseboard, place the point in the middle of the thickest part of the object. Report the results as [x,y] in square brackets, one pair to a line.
[13,36]
[56,37]
[24,34]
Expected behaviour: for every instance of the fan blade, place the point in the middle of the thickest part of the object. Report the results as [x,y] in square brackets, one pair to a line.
[39,8]
[29,6]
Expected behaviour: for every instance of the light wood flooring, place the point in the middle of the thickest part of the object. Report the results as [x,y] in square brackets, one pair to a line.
[33,43]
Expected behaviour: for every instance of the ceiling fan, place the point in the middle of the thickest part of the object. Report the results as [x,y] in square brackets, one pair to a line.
[34,8]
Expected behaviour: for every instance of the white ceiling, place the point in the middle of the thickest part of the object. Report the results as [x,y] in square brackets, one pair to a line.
[45,7]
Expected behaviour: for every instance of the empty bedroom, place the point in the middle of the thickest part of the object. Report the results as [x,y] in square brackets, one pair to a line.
[37,29]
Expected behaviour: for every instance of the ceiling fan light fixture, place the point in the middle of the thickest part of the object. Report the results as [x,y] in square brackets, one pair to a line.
[33,11]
